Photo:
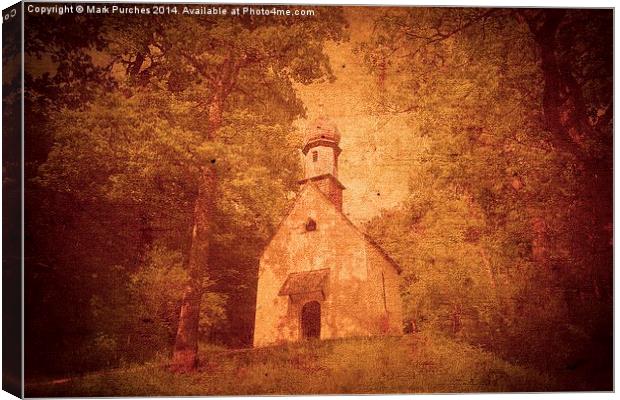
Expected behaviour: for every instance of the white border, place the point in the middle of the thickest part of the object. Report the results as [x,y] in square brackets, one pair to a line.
[497,3]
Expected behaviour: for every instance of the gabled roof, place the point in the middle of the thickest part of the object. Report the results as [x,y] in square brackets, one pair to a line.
[367,238]
[380,249]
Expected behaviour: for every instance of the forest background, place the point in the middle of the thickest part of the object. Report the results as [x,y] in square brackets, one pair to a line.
[163,151]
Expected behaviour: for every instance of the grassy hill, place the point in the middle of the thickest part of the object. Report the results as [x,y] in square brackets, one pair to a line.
[414,363]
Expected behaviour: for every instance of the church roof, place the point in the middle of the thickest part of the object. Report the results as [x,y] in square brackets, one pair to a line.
[322,130]
[366,237]
[322,176]
[383,252]
[304,282]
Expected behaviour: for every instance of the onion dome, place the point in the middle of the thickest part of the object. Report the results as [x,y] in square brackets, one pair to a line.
[321,132]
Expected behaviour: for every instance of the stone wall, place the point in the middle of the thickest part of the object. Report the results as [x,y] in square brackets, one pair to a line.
[353,305]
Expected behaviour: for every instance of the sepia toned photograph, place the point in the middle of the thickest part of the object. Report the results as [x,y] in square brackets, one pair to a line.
[228,199]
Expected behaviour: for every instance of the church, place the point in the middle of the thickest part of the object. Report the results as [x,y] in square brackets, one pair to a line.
[320,276]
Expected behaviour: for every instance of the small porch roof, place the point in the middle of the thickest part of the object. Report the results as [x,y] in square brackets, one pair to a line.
[305,282]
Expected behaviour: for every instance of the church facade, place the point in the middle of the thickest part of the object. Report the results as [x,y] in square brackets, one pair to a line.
[320,276]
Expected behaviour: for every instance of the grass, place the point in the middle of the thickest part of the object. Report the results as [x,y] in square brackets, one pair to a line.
[410,364]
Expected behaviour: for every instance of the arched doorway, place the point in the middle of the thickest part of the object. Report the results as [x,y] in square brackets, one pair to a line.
[311,320]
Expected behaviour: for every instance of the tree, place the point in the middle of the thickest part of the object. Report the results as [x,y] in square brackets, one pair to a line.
[190,100]
[512,104]
[223,57]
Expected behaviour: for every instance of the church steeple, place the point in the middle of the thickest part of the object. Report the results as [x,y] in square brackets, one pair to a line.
[321,151]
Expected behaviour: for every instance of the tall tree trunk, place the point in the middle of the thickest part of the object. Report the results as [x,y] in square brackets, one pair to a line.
[185,353]
[567,119]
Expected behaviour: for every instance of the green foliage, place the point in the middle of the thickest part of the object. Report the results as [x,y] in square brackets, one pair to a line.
[490,237]
[165,275]
[138,320]
[115,168]
[122,154]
